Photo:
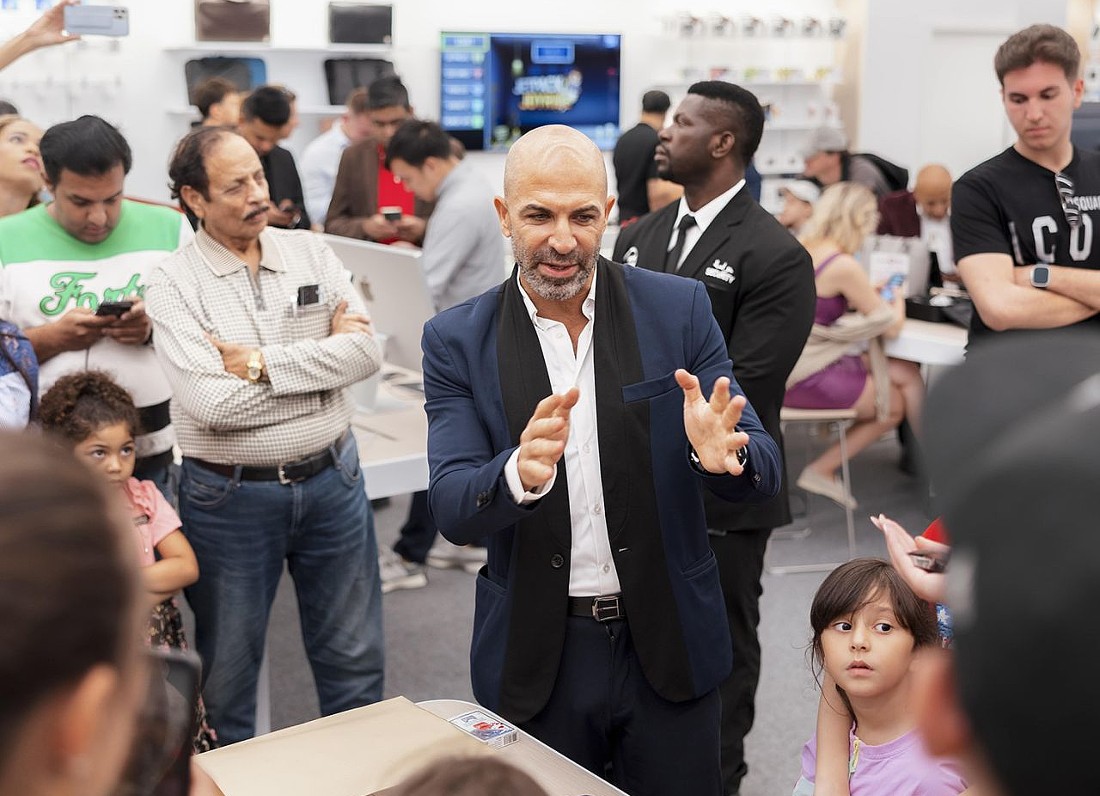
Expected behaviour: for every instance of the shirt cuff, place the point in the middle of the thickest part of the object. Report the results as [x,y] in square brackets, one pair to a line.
[515,485]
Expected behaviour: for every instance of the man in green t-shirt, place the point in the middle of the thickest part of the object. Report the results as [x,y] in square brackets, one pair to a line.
[63,261]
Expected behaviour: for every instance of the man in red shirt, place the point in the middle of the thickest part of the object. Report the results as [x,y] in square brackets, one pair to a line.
[364,186]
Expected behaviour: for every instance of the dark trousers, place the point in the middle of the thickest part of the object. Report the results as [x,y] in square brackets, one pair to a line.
[740,557]
[603,712]
[418,532]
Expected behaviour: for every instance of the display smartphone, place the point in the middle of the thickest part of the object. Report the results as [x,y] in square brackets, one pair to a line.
[930,561]
[892,285]
[115,308]
[390,213]
[97,20]
[160,760]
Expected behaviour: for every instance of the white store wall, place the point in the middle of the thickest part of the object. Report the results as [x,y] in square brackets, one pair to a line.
[138,82]
[929,92]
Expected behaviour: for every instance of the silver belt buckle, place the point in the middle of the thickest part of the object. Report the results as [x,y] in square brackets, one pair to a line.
[283,477]
[607,609]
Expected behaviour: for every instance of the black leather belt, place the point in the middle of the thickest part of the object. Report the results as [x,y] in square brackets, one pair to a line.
[148,465]
[602,609]
[288,473]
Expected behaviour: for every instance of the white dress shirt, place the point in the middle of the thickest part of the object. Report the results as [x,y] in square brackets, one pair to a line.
[937,237]
[592,569]
[703,218]
[320,161]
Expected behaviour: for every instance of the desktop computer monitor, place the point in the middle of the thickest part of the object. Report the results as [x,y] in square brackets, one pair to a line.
[395,291]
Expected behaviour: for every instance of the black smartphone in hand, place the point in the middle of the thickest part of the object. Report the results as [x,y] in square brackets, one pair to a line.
[113,308]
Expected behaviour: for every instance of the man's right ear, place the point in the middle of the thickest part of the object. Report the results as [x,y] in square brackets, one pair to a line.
[940,717]
[192,199]
[502,214]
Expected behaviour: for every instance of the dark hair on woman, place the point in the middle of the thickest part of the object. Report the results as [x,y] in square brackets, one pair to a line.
[87,146]
[68,580]
[471,776]
[80,404]
[188,165]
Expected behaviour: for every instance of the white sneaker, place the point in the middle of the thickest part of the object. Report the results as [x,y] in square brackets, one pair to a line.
[397,573]
[832,488]
[445,555]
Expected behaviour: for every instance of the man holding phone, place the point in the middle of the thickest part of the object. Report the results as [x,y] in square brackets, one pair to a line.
[72,275]
[368,201]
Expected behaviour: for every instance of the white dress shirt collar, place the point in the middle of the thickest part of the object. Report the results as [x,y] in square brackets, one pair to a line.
[708,212]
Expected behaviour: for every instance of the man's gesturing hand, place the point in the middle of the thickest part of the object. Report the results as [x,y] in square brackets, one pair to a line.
[710,425]
[543,441]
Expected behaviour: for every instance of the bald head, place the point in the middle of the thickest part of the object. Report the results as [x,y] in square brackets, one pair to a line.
[554,209]
[932,191]
[558,154]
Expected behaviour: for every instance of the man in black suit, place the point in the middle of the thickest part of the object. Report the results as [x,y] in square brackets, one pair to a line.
[761,285]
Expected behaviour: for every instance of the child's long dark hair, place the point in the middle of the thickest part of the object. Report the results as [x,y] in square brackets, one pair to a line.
[851,586]
[79,404]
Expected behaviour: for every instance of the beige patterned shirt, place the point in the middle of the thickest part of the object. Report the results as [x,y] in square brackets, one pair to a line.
[203,288]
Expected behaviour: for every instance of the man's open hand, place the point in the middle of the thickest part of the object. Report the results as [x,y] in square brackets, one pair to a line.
[711,425]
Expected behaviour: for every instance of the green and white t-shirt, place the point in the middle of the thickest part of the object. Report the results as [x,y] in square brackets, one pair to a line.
[46,272]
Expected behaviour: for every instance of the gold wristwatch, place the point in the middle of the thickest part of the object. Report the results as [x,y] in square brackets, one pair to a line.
[255,365]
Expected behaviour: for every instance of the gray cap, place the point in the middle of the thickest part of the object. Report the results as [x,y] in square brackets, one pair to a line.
[825,139]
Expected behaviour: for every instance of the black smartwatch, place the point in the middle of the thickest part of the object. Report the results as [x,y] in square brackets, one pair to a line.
[1040,276]
[742,459]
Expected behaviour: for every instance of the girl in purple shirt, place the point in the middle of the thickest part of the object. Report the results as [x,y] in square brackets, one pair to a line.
[868,627]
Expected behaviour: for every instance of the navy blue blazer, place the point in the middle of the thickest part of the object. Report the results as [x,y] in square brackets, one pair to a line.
[650,324]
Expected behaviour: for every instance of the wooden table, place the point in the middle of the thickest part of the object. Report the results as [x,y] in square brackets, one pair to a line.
[559,775]
[373,748]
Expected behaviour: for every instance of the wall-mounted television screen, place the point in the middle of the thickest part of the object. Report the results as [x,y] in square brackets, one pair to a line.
[494,87]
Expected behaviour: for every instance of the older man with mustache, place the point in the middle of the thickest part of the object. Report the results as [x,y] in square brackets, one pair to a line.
[260,332]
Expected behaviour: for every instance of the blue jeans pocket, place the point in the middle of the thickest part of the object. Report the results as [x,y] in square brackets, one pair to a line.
[351,469]
[204,489]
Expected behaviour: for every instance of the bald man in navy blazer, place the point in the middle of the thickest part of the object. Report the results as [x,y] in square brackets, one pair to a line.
[569,429]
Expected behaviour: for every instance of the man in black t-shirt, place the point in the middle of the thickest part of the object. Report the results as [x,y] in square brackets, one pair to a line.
[640,189]
[1024,222]
[268,116]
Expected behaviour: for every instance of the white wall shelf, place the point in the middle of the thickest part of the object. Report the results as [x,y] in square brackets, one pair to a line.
[255,48]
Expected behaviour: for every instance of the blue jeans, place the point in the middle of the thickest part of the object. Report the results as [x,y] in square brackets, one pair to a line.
[242,531]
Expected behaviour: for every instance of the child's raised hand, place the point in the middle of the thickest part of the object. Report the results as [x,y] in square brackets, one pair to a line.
[928,585]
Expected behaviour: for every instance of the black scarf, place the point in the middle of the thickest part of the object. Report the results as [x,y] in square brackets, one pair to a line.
[540,589]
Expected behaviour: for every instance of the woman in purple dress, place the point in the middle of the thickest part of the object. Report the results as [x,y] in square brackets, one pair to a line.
[842,219]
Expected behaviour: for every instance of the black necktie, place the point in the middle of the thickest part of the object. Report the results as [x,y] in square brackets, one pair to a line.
[672,259]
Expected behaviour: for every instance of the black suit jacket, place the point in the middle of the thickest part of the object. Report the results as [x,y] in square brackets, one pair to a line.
[761,285]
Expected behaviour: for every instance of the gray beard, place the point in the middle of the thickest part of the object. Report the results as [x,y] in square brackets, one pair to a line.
[550,288]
